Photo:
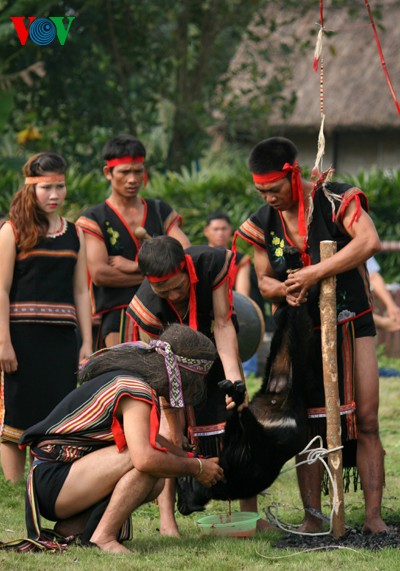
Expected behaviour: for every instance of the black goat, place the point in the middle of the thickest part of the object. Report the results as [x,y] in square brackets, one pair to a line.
[263,437]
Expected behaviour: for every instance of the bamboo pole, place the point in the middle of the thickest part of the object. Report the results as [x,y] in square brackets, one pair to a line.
[331,388]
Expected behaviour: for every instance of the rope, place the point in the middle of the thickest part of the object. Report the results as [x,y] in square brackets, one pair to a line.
[318,60]
[385,71]
[313,455]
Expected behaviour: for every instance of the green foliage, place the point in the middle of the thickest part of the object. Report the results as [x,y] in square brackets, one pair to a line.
[122,63]
[84,189]
[159,70]
[6,106]
[222,183]
[387,362]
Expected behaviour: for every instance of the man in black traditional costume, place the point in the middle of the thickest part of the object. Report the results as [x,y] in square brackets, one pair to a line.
[111,241]
[301,214]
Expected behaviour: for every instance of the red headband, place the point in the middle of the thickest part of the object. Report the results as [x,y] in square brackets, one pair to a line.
[273,176]
[193,279]
[124,161]
[297,190]
[49,178]
[165,277]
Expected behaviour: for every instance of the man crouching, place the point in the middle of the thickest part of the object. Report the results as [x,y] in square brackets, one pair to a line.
[98,454]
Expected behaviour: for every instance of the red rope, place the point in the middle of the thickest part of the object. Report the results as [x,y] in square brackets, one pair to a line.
[385,71]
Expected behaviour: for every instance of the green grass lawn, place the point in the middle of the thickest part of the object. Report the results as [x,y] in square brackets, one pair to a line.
[196,552]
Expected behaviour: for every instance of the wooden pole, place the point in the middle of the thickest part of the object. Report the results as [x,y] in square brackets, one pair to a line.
[331,387]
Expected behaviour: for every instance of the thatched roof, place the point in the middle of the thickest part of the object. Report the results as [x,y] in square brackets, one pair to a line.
[356,94]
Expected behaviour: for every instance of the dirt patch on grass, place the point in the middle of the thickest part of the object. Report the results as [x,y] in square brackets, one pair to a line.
[354,539]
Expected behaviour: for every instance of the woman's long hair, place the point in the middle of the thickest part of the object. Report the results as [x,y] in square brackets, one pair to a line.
[148,365]
[29,221]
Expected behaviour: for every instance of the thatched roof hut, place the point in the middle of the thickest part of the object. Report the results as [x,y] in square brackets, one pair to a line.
[362,124]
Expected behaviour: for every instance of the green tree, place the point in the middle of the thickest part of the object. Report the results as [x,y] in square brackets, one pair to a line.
[143,67]
[157,69]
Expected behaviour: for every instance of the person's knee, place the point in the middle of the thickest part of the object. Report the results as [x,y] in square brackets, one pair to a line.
[124,462]
[368,425]
[111,339]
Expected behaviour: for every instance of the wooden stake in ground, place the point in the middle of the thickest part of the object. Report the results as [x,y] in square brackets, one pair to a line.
[331,387]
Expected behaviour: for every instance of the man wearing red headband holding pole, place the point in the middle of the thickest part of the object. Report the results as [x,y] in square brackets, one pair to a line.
[301,214]
[112,246]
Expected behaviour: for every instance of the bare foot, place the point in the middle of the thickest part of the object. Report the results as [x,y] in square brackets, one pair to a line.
[170,531]
[111,546]
[264,526]
[375,526]
[310,527]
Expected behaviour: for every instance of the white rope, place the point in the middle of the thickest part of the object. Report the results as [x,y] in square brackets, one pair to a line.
[318,165]
[313,455]
[318,45]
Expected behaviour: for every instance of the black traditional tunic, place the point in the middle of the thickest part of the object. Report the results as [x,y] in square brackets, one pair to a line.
[43,331]
[105,223]
[81,423]
[265,229]
[85,420]
[153,314]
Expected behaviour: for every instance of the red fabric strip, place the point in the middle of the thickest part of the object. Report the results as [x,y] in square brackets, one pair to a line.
[49,178]
[266,178]
[274,176]
[165,277]
[118,433]
[192,294]
[385,71]
[124,161]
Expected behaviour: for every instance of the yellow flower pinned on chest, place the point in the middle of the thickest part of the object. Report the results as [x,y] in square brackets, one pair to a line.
[279,244]
[114,235]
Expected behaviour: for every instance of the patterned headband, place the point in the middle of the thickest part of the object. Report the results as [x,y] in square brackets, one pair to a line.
[172,363]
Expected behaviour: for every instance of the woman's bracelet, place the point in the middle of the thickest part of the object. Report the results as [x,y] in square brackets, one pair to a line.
[200,467]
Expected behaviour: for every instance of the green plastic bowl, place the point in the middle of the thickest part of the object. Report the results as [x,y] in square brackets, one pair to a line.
[237,524]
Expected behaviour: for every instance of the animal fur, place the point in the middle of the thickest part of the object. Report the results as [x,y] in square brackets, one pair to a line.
[263,437]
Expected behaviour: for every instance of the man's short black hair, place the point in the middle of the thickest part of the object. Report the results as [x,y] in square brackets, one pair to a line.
[218,215]
[123,146]
[271,154]
[160,256]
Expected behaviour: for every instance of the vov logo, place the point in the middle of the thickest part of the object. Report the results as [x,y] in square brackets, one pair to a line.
[42,31]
